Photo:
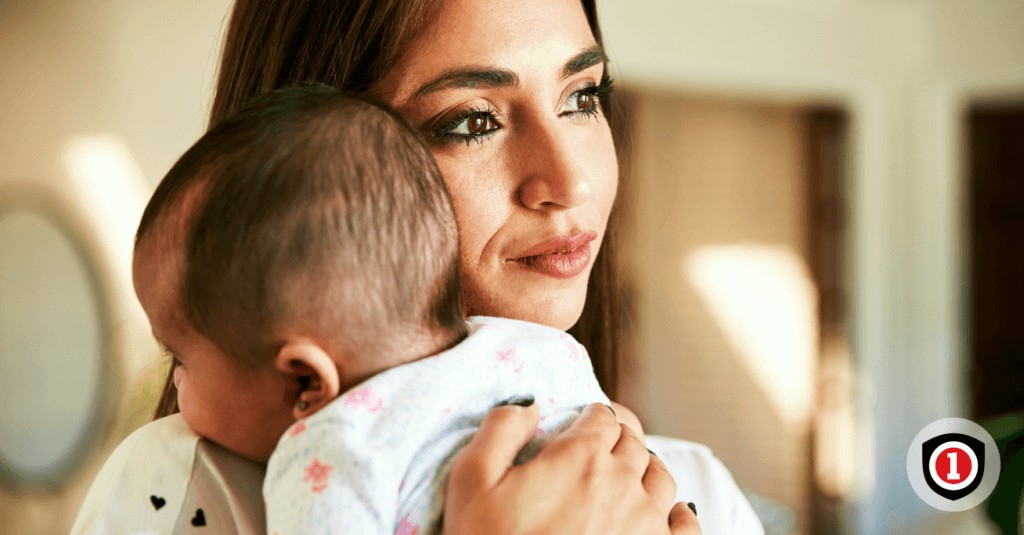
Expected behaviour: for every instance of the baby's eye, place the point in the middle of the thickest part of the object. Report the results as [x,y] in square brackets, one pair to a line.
[168,354]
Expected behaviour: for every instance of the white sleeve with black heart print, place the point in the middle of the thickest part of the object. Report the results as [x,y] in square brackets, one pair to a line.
[164,479]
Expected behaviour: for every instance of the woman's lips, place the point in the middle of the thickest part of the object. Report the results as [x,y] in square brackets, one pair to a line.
[561,257]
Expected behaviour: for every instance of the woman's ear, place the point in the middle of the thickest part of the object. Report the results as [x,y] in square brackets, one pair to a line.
[316,376]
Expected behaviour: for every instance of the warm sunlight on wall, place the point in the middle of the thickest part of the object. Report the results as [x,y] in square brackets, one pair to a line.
[716,251]
[763,300]
[103,175]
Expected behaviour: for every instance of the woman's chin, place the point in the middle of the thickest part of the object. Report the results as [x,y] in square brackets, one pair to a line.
[560,310]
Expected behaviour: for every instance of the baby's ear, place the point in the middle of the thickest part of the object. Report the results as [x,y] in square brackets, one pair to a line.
[317,382]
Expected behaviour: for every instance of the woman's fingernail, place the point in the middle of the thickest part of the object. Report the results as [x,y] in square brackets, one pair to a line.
[611,409]
[522,401]
[652,453]
[692,507]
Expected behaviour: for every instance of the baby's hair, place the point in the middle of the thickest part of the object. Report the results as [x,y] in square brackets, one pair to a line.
[316,211]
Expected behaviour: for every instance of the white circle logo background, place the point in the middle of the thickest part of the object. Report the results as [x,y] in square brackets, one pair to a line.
[935,457]
[990,474]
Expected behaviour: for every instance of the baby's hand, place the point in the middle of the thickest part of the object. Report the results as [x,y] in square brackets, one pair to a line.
[626,416]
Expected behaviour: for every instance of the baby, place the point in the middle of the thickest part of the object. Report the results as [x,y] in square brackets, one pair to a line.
[300,262]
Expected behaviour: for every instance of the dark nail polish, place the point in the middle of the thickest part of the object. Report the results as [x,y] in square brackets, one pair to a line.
[652,453]
[522,401]
[611,409]
[692,507]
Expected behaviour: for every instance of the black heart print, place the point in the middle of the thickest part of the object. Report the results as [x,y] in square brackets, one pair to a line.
[157,502]
[199,520]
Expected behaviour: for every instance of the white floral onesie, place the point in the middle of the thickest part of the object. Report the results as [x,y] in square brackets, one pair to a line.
[375,460]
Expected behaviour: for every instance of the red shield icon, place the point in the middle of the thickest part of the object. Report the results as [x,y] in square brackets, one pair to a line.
[953,464]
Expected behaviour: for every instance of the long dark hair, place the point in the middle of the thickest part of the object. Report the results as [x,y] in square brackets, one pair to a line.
[350,44]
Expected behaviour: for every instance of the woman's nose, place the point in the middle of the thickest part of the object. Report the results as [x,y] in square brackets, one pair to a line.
[555,175]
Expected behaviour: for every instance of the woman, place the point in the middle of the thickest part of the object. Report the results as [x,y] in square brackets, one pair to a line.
[513,97]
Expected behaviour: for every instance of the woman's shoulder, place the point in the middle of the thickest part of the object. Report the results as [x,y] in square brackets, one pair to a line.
[702,479]
[164,478]
[159,452]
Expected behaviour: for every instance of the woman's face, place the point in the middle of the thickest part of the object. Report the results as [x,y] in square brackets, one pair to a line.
[507,94]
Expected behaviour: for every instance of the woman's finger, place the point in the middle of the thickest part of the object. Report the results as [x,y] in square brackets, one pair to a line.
[503,432]
[596,420]
[659,482]
[631,450]
[626,416]
[682,521]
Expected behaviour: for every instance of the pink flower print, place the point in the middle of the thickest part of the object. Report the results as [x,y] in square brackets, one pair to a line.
[574,350]
[540,431]
[476,325]
[297,428]
[365,397]
[444,414]
[407,528]
[318,472]
[510,357]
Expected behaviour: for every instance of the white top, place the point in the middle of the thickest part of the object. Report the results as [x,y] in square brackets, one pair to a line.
[702,479]
[163,478]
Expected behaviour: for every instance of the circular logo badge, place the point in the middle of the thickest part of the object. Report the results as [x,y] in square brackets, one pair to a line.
[953,464]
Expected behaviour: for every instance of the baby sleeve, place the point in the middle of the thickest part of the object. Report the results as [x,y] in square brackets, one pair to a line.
[320,480]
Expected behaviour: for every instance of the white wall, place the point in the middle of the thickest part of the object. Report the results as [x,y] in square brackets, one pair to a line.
[110,74]
[905,71]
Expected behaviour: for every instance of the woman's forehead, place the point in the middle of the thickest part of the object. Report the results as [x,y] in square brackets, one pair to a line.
[528,38]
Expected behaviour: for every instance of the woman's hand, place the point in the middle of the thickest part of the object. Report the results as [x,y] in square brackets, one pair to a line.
[626,416]
[595,478]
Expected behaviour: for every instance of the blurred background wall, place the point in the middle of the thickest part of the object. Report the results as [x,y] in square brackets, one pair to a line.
[97,100]
[805,349]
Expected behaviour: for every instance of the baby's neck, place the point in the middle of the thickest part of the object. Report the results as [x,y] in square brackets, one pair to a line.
[398,350]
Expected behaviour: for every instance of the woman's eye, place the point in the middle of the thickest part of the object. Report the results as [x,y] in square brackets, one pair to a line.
[475,125]
[469,125]
[587,101]
[582,101]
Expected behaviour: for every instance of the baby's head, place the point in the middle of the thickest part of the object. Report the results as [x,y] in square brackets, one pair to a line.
[298,248]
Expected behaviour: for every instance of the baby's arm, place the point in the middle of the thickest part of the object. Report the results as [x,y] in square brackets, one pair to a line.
[316,483]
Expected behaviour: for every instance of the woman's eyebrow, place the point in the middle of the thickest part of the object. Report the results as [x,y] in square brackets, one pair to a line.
[469,77]
[593,55]
[494,77]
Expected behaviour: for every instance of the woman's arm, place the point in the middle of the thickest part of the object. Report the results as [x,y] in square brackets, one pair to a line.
[596,477]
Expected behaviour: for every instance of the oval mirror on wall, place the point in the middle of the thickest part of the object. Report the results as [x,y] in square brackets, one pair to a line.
[54,322]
